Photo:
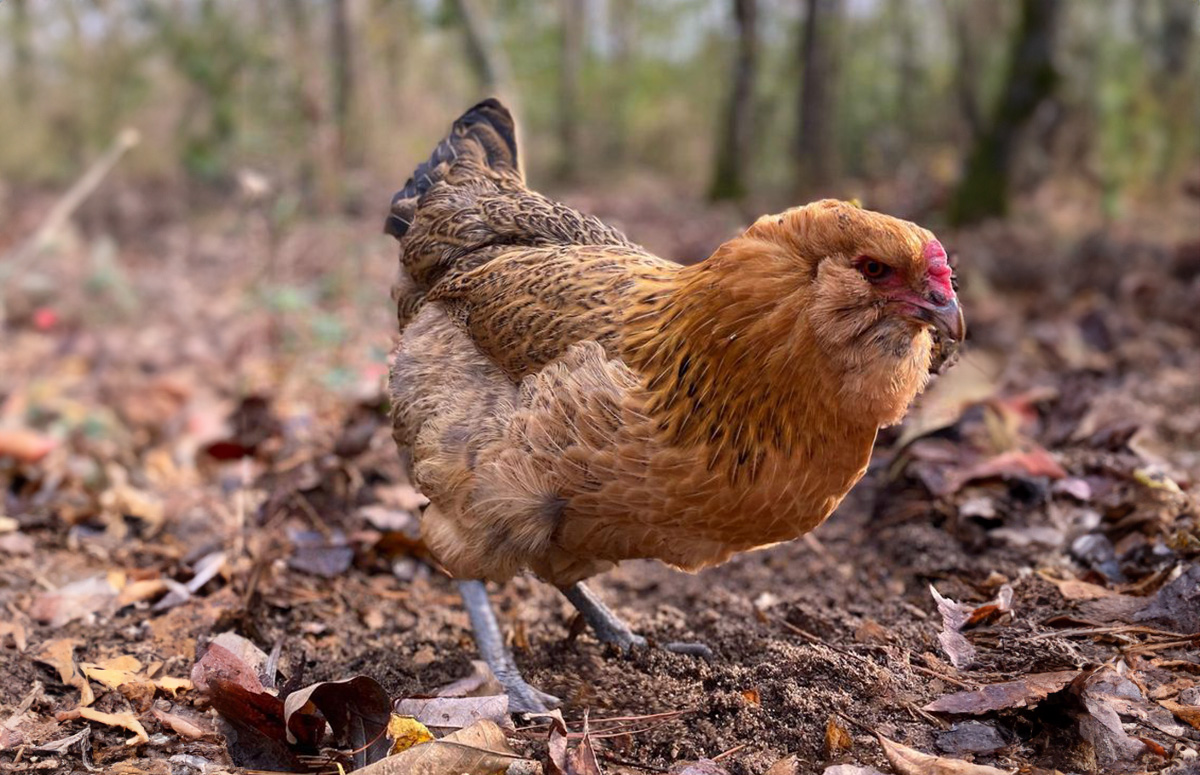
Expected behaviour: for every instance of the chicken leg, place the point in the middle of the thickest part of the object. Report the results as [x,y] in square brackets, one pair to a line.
[522,698]
[609,628]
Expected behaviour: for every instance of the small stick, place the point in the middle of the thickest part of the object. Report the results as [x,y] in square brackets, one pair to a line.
[730,752]
[70,202]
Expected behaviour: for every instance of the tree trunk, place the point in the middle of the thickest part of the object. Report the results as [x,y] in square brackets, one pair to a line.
[1032,78]
[344,82]
[737,128]
[486,55]
[570,66]
[622,21]
[816,149]
[22,52]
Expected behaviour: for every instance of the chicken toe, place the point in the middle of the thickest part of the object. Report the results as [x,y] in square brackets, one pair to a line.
[522,698]
[609,628]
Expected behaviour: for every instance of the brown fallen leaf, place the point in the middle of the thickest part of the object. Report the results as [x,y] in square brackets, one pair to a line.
[447,713]
[76,600]
[123,720]
[480,749]
[1024,692]
[846,769]
[556,761]
[357,709]
[1186,713]
[191,726]
[837,738]
[953,642]
[60,655]
[581,760]
[789,765]
[25,445]
[18,632]
[230,657]
[1074,589]
[172,685]
[909,761]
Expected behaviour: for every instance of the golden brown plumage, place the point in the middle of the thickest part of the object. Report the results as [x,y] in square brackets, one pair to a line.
[572,401]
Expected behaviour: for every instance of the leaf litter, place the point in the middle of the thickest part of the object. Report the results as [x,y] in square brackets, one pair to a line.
[214,500]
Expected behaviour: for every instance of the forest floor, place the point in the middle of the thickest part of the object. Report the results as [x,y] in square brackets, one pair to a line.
[193,441]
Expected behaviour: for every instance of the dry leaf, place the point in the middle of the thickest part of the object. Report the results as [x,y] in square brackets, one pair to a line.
[481,749]
[123,720]
[1188,713]
[909,761]
[190,726]
[1024,692]
[846,769]
[25,445]
[60,655]
[405,732]
[1074,589]
[357,709]
[76,600]
[789,765]
[953,642]
[581,760]
[837,738]
[446,713]
[171,685]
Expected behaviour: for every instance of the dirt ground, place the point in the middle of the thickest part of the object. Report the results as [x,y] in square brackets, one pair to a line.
[193,441]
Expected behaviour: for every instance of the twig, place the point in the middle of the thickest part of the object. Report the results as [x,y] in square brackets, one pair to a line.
[729,752]
[1121,629]
[17,261]
[943,677]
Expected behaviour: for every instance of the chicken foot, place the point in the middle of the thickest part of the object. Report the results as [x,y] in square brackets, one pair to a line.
[609,628]
[522,698]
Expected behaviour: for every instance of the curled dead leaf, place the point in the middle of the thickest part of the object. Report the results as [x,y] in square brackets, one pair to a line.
[910,761]
[1024,692]
[480,749]
[357,709]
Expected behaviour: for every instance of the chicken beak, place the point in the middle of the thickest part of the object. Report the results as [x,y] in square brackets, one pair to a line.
[946,318]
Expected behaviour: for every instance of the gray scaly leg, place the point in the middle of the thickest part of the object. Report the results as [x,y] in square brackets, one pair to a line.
[522,698]
[609,628]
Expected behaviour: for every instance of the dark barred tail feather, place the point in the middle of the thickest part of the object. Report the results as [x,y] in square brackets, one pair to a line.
[488,128]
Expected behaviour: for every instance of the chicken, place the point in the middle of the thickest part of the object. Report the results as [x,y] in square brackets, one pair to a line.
[571,400]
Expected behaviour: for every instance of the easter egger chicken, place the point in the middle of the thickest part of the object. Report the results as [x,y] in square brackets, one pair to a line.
[571,400]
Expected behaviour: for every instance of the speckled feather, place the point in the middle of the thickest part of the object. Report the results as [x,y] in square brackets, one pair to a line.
[572,400]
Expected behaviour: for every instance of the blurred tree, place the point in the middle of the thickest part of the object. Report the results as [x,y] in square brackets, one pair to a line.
[22,53]
[344,83]
[486,55]
[573,21]
[622,19]
[1031,79]
[209,50]
[737,124]
[816,149]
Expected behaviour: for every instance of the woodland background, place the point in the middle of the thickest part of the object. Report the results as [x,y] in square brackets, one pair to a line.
[194,324]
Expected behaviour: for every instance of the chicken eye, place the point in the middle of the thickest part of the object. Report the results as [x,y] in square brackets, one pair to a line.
[874,270]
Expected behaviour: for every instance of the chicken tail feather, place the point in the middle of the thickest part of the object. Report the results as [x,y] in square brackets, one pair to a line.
[486,132]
